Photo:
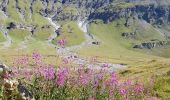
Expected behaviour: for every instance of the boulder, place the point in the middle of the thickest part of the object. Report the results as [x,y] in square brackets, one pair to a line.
[12,25]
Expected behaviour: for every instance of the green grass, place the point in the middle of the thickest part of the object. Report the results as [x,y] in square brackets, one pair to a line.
[1,37]
[23,4]
[12,11]
[36,17]
[2,18]
[114,46]
[162,87]
[74,38]
[43,33]
[18,34]
[123,5]
[70,9]
[9,54]
[168,1]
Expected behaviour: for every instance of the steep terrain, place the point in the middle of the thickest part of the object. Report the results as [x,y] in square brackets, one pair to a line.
[114,26]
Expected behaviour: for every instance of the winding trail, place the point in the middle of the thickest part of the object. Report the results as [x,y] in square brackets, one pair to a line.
[70,54]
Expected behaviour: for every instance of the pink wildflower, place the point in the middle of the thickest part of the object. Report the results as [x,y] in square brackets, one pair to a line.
[36,57]
[95,84]
[113,79]
[105,65]
[128,82]
[151,98]
[83,79]
[47,72]
[138,88]
[123,91]
[91,98]
[65,61]
[61,76]
[62,42]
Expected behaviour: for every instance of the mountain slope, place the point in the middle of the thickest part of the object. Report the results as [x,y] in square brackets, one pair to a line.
[144,24]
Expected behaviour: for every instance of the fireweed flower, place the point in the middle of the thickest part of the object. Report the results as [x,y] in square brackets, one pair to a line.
[26,73]
[91,98]
[61,42]
[61,76]
[105,65]
[128,82]
[83,79]
[113,79]
[36,57]
[95,84]
[81,66]
[123,91]
[138,88]
[65,61]
[21,61]
[99,76]
[15,71]
[151,98]
[48,72]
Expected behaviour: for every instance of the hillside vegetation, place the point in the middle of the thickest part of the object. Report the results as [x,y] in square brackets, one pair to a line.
[129,37]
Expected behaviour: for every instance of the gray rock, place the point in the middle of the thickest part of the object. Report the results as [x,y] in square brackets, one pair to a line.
[128,35]
[150,45]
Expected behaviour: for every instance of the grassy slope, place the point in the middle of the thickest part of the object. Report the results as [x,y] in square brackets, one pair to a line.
[23,4]
[18,34]
[116,47]
[141,63]
[8,54]
[11,9]
[74,38]
[43,34]
[36,17]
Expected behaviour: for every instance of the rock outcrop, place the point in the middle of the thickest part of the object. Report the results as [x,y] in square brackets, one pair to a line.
[12,89]
[150,45]
[129,35]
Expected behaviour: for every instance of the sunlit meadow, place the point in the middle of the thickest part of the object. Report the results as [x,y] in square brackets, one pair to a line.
[62,82]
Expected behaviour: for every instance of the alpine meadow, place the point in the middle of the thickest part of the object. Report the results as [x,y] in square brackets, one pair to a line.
[85,49]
